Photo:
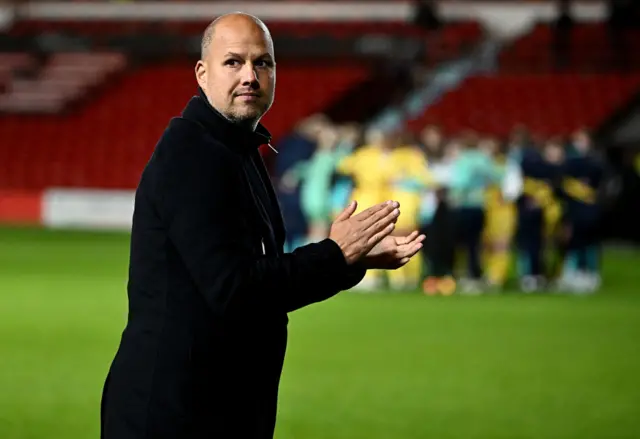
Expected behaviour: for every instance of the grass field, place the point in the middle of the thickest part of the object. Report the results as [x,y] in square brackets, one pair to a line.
[392,366]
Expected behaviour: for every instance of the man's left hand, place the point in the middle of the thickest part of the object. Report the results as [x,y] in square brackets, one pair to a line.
[393,251]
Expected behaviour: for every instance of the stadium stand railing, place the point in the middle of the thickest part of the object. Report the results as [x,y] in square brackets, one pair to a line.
[63,79]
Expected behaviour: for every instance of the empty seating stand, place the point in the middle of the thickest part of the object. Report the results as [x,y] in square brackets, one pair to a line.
[13,62]
[549,104]
[63,79]
[590,48]
[107,143]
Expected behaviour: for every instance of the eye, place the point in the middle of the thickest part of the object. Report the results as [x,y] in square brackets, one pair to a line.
[232,62]
[263,63]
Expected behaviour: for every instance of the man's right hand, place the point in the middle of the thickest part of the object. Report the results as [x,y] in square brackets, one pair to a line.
[357,235]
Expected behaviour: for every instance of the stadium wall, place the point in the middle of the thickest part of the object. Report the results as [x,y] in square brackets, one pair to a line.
[68,208]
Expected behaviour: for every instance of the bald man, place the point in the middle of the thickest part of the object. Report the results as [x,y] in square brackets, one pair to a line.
[209,283]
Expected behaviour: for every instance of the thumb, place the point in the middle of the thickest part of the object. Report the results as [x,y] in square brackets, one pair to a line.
[347,212]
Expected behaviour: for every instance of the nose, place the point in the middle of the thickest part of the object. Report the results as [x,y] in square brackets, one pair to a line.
[249,75]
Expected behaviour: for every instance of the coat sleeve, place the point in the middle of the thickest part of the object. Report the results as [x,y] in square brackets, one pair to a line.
[199,202]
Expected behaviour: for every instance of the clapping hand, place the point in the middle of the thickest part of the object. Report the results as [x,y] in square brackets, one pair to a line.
[393,251]
[357,235]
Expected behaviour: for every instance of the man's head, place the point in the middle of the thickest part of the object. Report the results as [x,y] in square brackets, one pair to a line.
[432,138]
[581,141]
[553,150]
[237,68]
[490,146]
[310,127]
[374,136]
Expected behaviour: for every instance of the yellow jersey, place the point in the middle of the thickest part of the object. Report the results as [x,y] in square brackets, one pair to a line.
[371,170]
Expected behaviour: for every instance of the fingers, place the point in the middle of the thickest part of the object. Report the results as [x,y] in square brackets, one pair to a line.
[347,212]
[410,249]
[411,238]
[381,218]
[407,254]
[377,237]
[368,213]
[407,239]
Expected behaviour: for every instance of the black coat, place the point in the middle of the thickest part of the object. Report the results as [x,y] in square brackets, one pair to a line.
[209,289]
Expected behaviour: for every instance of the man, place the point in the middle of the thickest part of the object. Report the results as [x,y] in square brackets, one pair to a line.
[209,284]
[583,182]
[410,179]
[314,178]
[438,220]
[538,212]
[369,169]
[296,147]
[500,217]
[473,172]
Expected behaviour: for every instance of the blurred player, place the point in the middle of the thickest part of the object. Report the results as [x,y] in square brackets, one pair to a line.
[295,147]
[438,222]
[342,185]
[473,171]
[582,179]
[410,177]
[500,221]
[538,212]
[369,167]
[314,177]
[554,231]
[371,171]
[432,141]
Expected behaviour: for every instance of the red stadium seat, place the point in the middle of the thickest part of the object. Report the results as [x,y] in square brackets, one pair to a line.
[590,49]
[11,62]
[548,104]
[107,143]
[63,79]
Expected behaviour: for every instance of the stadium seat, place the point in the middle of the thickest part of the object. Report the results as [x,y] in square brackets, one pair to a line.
[12,62]
[590,48]
[65,78]
[107,143]
[549,104]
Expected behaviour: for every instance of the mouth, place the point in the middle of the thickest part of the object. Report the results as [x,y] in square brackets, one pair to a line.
[248,96]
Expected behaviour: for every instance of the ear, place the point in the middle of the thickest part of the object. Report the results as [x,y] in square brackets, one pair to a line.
[201,74]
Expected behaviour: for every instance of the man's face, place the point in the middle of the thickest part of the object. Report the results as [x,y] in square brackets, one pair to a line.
[431,137]
[553,152]
[489,146]
[238,72]
[582,141]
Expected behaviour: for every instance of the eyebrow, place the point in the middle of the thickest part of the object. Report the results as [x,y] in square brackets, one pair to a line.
[237,55]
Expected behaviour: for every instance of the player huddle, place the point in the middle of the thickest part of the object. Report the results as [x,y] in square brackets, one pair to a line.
[493,213]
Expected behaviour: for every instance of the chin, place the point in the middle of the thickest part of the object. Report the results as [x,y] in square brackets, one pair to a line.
[246,114]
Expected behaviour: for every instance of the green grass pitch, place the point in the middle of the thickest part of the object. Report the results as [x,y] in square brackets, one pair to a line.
[390,366]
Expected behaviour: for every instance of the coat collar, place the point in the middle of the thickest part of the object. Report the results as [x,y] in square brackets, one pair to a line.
[199,110]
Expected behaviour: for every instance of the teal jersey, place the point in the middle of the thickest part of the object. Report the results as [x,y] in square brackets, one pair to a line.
[315,176]
[342,189]
[472,172]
